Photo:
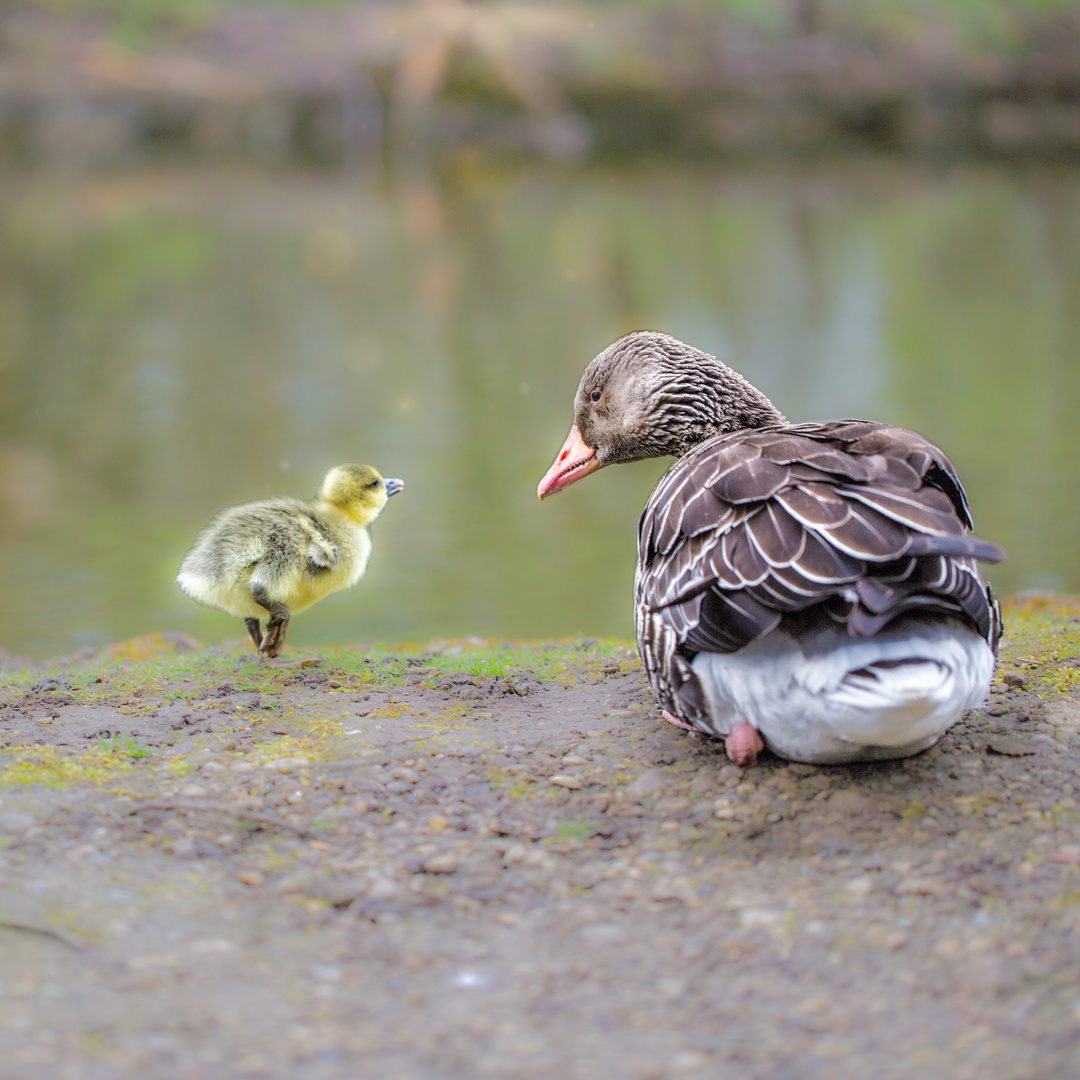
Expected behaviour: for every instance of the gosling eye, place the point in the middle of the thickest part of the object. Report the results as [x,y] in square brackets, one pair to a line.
[596,395]
[374,483]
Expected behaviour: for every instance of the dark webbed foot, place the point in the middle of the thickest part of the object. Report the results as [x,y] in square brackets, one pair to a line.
[253,629]
[277,626]
[274,639]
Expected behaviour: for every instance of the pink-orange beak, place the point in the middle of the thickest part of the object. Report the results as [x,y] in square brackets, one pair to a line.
[575,460]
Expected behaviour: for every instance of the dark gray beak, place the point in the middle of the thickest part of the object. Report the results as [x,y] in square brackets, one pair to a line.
[393,486]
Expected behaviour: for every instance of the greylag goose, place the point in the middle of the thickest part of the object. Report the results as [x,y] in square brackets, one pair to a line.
[272,559]
[810,588]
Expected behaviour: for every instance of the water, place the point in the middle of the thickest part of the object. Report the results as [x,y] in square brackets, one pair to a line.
[179,339]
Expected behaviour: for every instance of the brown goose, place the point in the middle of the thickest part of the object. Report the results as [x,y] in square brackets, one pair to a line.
[812,588]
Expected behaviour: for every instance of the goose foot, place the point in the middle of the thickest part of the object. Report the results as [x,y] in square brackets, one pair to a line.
[743,744]
[299,662]
[677,722]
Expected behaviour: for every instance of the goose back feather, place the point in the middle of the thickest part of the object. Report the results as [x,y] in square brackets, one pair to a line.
[778,527]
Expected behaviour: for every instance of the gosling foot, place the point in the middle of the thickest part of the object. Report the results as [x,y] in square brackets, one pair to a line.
[743,744]
[277,626]
[677,722]
[298,662]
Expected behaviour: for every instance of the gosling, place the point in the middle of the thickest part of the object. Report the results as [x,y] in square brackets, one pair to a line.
[274,558]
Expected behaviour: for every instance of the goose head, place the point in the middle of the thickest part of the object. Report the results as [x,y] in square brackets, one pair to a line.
[649,395]
[358,491]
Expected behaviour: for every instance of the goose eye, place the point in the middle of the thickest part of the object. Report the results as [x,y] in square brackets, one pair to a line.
[596,395]
[374,483]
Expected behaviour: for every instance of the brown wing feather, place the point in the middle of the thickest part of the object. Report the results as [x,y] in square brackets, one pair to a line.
[858,521]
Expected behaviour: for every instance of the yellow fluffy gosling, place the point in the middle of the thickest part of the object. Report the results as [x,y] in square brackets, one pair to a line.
[271,559]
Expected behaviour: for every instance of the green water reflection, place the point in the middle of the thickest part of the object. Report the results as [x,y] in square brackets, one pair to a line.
[175,341]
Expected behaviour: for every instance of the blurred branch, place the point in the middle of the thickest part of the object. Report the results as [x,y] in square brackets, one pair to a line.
[168,74]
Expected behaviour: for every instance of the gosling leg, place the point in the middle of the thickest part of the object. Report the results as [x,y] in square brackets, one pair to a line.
[277,626]
[253,629]
[743,744]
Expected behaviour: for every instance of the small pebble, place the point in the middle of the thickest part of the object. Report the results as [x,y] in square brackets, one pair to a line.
[286,764]
[860,887]
[565,781]
[250,877]
[16,820]
[447,863]
[515,853]
[383,889]
[650,782]
[470,980]
[687,1061]
[672,806]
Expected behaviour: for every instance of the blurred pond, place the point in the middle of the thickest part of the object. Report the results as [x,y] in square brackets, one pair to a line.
[177,340]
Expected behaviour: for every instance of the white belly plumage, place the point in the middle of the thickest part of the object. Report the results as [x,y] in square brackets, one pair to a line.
[846,700]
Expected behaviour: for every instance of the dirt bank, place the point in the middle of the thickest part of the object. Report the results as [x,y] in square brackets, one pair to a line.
[499,862]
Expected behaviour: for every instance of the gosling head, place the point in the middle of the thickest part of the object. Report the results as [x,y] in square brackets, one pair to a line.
[358,490]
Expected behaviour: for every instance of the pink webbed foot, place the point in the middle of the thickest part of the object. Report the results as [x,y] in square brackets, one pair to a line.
[743,744]
[677,722]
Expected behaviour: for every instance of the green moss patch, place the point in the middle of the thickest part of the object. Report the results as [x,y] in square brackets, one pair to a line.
[1042,639]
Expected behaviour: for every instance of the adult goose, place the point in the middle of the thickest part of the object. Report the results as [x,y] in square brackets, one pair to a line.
[810,588]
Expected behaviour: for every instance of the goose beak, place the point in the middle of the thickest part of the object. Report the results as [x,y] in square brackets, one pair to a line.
[393,486]
[575,460]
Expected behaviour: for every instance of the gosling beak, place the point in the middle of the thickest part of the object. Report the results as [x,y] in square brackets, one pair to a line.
[575,460]
[393,486]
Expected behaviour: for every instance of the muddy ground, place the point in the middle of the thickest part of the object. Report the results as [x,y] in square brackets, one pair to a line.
[499,862]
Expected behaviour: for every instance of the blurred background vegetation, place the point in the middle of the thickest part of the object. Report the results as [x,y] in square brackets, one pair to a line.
[242,242]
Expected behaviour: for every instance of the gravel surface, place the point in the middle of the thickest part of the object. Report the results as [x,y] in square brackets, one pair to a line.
[499,862]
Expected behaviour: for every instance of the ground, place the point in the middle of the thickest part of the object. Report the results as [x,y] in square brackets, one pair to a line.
[483,861]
